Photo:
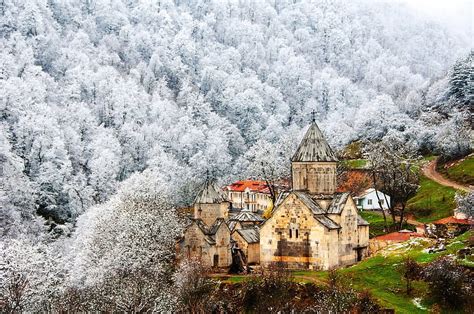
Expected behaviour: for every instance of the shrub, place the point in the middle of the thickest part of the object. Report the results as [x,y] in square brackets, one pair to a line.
[410,271]
[448,283]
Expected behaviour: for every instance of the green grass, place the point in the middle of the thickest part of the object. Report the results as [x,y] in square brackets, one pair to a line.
[380,275]
[377,223]
[231,279]
[432,201]
[462,172]
[355,163]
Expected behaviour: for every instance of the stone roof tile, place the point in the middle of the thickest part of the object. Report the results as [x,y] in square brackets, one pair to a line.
[309,202]
[250,235]
[314,147]
[327,222]
[210,194]
[246,215]
[338,202]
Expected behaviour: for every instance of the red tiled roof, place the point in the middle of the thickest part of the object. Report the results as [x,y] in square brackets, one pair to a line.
[399,236]
[253,185]
[453,220]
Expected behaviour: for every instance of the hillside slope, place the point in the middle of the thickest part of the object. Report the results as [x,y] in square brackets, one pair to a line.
[95,91]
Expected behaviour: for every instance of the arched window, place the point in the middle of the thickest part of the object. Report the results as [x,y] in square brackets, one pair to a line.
[296,233]
[291,233]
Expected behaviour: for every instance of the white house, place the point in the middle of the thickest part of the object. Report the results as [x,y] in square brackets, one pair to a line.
[368,200]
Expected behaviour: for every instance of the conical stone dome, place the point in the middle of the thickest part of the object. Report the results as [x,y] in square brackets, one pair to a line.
[210,194]
[314,147]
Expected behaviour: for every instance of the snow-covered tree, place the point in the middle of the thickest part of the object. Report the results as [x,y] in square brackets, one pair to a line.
[465,204]
[127,242]
[461,82]
[30,276]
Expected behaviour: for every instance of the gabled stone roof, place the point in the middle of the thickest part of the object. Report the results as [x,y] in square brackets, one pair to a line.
[215,226]
[246,215]
[201,225]
[338,202]
[314,147]
[309,202]
[250,235]
[204,229]
[208,232]
[210,194]
[318,213]
[232,224]
[327,222]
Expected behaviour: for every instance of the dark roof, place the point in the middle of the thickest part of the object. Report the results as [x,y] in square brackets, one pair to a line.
[309,202]
[209,232]
[246,215]
[327,222]
[314,147]
[216,225]
[210,194]
[204,229]
[338,202]
[201,225]
[250,235]
[232,224]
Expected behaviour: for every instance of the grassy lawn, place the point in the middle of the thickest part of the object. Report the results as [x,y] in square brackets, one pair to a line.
[433,201]
[462,172]
[380,275]
[377,224]
[355,163]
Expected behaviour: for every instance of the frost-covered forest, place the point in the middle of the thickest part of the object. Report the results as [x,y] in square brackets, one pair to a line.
[104,103]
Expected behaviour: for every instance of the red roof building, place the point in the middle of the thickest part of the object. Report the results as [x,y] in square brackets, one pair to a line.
[253,195]
[248,186]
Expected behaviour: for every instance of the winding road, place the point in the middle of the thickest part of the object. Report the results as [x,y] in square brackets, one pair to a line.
[429,170]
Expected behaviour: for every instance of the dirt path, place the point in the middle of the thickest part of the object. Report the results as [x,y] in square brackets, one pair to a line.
[429,170]
[411,220]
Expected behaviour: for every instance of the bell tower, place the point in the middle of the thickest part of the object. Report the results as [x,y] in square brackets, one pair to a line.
[313,166]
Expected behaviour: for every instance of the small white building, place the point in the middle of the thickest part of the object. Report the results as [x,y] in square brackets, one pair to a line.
[368,200]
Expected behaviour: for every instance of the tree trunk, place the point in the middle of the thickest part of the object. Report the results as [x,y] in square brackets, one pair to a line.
[380,205]
[402,212]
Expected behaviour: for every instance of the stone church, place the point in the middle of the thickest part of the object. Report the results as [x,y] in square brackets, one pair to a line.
[311,227]
[212,233]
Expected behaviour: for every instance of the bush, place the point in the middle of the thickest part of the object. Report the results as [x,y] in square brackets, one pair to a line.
[410,271]
[267,291]
[449,283]
[193,286]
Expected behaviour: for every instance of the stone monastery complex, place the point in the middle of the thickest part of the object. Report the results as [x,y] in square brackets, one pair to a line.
[310,227]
